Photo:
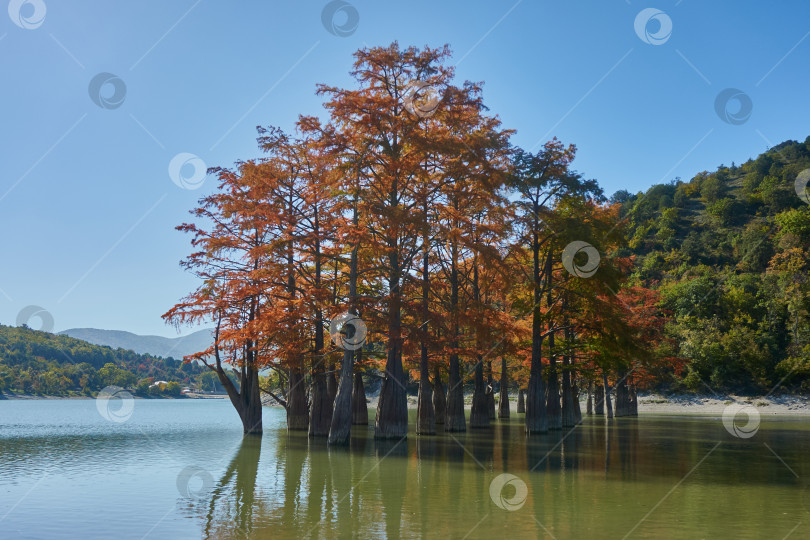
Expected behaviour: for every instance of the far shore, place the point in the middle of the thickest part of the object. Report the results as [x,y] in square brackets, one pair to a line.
[29,397]
[680,404]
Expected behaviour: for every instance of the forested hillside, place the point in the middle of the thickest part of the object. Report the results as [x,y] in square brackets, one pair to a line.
[40,363]
[729,253]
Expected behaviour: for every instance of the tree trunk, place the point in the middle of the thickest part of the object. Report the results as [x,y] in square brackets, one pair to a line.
[608,408]
[590,399]
[439,399]
[569,415]
[340,429]
[553,383]
[552,390]
[392,408]
[332,382]
[455,420]
[297,406]
[599,400]
[490,392]
[250,409]
[503,400]
[570,401]
[479,413]
[425,415]
[622,396]
[341,425]
[359,405]
[577,408]
[633,401]
[323,384]
[521,404]
[536,417]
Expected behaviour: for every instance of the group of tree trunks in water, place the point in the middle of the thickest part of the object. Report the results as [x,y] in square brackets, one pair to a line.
[421,217]
[560,409]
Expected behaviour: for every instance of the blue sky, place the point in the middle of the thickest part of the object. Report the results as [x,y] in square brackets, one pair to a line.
[87,206]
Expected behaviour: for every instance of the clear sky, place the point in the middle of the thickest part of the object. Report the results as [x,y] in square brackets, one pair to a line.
[87,204]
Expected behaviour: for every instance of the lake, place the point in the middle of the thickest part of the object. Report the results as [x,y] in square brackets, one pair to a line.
[181,469]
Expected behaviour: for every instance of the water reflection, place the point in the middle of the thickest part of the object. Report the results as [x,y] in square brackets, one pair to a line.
[61,464]
[233,500]
[392,477]
[594,476]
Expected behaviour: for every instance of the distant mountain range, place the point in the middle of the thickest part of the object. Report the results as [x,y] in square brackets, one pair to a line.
[155,345]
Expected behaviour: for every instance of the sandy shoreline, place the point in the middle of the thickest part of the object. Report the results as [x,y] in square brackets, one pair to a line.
[691,404]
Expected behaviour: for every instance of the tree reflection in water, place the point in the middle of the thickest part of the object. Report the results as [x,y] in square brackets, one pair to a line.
[421,486]
[233,499]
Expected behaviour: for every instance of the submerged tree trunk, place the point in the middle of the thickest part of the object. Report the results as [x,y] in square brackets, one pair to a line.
[599,400]
[340,429]
[392,408]
[322,405]
[622,395]
[569,415]
[425,415]
[332,382]
[297,406]
[341,424]
[536,416]
[633,401]
[552,389]
[247,399]
[521,404]
[490,392]
[553,382]
[608,408]
[577,408]
[503,399]
[439,399]
[359,405]
[479,413]
[570,401]
[454,420]
[250,400]
[589,410]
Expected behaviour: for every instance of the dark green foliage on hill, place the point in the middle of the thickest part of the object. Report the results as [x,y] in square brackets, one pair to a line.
[40,363]
[730,253]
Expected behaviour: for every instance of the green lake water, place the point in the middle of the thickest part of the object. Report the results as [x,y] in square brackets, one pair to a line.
[181,469]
